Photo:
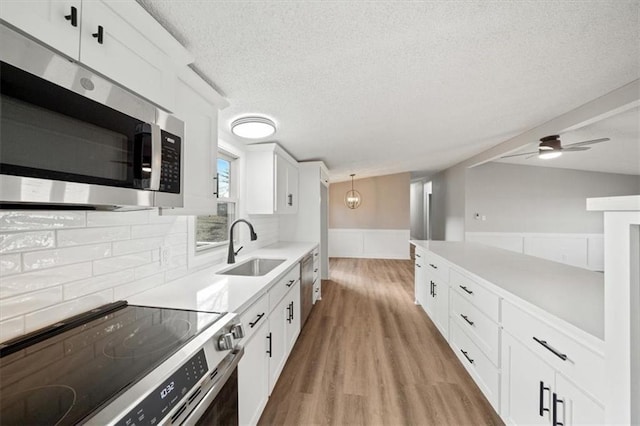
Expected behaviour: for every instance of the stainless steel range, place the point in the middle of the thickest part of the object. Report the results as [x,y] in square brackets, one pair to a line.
[124,365]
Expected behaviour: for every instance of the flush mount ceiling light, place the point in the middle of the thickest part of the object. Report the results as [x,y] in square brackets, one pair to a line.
[253,127]
[352,199]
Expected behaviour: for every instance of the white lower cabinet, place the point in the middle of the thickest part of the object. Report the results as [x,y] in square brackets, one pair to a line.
[437,302]
[277,348]
[534,393]
[253,377]
[272,325]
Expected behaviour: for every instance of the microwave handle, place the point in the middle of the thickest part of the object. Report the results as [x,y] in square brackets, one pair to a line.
[156,157]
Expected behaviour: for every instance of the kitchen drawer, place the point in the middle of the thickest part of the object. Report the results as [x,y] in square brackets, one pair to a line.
[582,366]
[484,332]
[482,370]
[480,297]
[437,266]
[277,292]
[254,316]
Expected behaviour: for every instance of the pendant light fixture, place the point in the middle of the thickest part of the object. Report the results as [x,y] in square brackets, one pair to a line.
[352,199]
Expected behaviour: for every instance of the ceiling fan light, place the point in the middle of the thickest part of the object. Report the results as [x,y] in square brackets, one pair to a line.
[253,127]
[549,155]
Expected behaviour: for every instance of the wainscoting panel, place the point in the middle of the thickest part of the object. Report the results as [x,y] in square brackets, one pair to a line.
[369,243]
[581,250]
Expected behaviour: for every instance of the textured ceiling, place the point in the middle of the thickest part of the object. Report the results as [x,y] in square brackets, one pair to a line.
[378,87]
[619,155]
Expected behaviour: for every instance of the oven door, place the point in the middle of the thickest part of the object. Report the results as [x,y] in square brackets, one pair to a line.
[220,405]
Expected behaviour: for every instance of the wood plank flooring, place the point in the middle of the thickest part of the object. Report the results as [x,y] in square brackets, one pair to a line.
[369,356]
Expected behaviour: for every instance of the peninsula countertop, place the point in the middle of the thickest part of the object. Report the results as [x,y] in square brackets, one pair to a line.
[204,290]
[572,294]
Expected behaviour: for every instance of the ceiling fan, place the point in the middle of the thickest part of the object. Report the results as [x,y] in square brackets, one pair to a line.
[551,147]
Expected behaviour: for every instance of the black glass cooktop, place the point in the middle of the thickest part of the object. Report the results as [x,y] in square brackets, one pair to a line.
[60,375]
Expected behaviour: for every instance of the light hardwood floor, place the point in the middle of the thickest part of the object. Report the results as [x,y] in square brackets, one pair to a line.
[368,355]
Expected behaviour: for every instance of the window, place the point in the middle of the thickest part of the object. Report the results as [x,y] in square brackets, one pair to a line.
[213,230]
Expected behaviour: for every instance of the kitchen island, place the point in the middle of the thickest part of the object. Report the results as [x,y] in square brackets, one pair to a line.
[529,331]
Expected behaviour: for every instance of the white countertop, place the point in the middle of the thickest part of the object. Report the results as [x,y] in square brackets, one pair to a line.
[574,295]
[206,291]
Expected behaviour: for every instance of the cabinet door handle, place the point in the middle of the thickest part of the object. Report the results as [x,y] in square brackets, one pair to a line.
[541,409]
[557,401]
[291,311]
[417,255]
[466,289]
[253,324]
[217,191]
[466,355]
[290,197]
[73,16]
[433,266]
[290,283]
[99,35]
[431,288]
[418,265]
[315,270]
[551,349]
[466,318]
[269,351]
[433,293]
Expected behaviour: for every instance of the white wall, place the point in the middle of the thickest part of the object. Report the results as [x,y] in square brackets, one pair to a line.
[516,198]
[416,203]
[448,204]
[369,243]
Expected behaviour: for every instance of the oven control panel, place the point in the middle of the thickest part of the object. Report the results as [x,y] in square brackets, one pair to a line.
[159,403]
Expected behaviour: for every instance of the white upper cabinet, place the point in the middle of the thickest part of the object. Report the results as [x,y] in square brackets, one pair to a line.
[55,22]
[272,180]
[197,104]
[117,49]
[117,39]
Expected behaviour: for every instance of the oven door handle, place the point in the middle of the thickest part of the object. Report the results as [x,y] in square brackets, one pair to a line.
[156,157]
[204,403]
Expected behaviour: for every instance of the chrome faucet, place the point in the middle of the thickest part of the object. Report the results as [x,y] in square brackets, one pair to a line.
[231,256]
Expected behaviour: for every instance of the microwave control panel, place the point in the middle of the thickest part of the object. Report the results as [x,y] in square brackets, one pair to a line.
[171,163]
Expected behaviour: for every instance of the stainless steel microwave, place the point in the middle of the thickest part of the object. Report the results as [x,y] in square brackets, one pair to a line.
[69,137]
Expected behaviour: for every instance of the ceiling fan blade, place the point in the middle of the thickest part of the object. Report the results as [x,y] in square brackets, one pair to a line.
[576,148]
[591,142]
[518,155]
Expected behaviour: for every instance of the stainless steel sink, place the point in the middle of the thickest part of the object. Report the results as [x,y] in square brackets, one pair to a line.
[253,267]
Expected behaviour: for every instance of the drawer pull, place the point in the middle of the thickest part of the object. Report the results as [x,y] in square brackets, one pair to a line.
[417,255]
[466,355]
[466,318]
[253,324]
[315,270]
[551,349]
[557,401]
[433,266]
[466,289]
[290,283]
[541,409]
[418,265]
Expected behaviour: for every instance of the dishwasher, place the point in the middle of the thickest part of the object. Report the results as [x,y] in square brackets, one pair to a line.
[306,288]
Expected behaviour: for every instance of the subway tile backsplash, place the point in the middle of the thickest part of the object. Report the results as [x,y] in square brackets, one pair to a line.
[55,264]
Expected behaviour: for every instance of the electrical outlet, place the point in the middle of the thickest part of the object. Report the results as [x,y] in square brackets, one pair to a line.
[165,255]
